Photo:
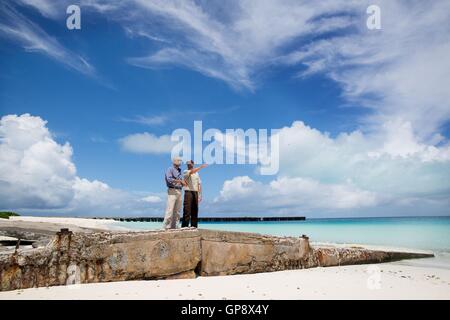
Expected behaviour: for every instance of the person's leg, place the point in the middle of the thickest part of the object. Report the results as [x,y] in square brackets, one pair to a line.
[171,200]
[194,210]
[176,209]
[186,209]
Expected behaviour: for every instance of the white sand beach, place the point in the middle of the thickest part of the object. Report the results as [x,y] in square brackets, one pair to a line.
[103,224]
[396,281]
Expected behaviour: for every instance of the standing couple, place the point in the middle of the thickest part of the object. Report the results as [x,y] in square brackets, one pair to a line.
[176,181]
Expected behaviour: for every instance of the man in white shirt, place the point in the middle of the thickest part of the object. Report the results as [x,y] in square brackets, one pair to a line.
[192,194]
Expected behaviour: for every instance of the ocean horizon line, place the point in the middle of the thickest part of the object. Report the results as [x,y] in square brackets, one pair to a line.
[306,217]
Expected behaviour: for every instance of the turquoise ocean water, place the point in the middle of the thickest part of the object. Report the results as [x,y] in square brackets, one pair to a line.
[426,233]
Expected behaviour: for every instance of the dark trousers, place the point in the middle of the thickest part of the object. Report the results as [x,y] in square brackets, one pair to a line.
[190,209]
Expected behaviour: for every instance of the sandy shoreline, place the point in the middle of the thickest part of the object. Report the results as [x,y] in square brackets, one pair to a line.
[102,224]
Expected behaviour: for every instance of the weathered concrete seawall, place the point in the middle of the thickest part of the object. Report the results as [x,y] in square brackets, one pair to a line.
[101,257]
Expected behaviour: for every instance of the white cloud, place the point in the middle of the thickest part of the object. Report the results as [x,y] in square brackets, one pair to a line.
[385,162]
[231,41]
[204,63]
[37,175]
[46,7]
[18,28]
[349,173]
[35,171]
[290,195]
[95,198]
[148,120]
[353,172]
[147,143]
[400,71]
[57,9]
[152,199]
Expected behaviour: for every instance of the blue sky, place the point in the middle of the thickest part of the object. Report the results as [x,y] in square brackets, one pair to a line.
[363,113]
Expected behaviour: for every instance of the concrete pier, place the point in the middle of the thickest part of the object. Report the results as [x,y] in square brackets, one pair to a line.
[77,257]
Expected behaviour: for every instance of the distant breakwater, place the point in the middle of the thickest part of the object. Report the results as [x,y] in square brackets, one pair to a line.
[206,219]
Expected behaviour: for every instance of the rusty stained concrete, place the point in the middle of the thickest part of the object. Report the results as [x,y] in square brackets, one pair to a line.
[183,253]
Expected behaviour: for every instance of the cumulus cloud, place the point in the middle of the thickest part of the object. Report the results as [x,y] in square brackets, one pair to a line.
[36,171]
[302,196]
[152,199]
[147,143]
[352,172]
[289,195]
[37,175]
[380,162]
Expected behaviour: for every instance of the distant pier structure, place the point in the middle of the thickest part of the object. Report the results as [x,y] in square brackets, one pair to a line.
[207,219]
